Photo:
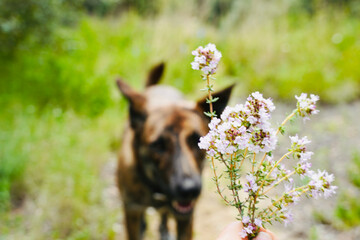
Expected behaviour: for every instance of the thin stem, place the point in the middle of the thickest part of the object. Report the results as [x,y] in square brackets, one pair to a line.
[277,163]
[249,210]
[210,96]
[253,163]
[282,179]
[217,181]
[294,190]
[276,210]
[261,162]
[232,182]
[223,160]
[286,119]
[212,158]
[253,206]
[243,160]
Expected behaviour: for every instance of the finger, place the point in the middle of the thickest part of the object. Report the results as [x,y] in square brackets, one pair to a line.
[231,231]
[265,235]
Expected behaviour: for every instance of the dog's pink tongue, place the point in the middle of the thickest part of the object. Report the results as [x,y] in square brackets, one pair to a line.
[183,207]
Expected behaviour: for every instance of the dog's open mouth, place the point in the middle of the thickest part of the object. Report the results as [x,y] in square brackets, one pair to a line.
[183,207]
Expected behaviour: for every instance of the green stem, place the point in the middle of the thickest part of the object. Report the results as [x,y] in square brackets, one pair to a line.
[212,158]
[282,179]
[210,96]
[217,181]
[276,210]
[244,157]
[286,120]
[277,163]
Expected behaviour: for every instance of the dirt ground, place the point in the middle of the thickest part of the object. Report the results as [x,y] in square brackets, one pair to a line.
[335,135]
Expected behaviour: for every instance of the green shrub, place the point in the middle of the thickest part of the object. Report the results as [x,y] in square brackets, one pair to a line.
[31,21]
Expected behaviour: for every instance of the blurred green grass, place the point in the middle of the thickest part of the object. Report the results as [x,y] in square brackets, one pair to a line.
[281,58]
[61,112]
[348,208]
[61,183]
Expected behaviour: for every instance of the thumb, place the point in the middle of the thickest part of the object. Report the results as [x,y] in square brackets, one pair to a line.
[264,236]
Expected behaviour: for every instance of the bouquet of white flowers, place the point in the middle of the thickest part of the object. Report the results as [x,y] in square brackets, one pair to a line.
[243,135]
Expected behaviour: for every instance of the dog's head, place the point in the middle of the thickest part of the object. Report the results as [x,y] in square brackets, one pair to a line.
[167,133]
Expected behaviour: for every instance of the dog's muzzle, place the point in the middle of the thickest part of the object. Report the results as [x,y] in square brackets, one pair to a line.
[185,194]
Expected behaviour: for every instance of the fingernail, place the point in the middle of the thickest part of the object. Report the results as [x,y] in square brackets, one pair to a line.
[263,236]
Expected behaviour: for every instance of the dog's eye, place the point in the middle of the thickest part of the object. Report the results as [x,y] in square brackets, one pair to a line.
[159,145]
[193,140]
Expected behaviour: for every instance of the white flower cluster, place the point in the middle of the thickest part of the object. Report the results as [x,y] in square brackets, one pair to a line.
[307,106]
[206,59]
[239,134]
[286,215]
[249,228]
[241,127]
[299,149]
[251,184]
[320,184]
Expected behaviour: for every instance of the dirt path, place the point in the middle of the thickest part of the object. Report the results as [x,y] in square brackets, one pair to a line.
[335,135]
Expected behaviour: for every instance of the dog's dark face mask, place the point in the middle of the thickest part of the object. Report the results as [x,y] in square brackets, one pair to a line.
[166,146]
[170,156]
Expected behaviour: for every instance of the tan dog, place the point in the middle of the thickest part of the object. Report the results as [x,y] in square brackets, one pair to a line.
[160,163]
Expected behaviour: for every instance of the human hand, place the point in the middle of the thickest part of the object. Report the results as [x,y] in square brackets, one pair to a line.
[232,232]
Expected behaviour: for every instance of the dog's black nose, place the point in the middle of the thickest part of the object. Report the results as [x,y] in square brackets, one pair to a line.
[188,188]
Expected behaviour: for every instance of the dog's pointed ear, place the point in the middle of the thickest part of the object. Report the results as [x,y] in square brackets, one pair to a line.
[137,104]
[219,105]
[155,74]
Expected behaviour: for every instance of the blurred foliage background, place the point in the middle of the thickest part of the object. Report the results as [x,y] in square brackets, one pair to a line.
[61,114]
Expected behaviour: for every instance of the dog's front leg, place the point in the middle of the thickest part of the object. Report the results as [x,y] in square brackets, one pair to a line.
[184,228]
[135,223]
[164,231]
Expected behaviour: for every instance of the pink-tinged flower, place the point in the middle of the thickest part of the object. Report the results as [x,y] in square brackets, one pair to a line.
[256,101]
[298,145]
[243,233]
[252,119]
[288,187]
[288,216]
[251,184]
[270,159]
[258,222]
[242,141]
[292,197]
[307,106]
[246,220]
[305,156]
[205,142]
[320,184]
[257,96]
[303,167]
[195,65]
[249,229]
[226,113]
[214,122]
[299,141]
[262,141]
[328,192]
[211,152]
[206,59]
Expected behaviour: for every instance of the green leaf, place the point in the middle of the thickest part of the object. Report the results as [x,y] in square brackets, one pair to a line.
[282,130]
[215,99]
[208,114]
